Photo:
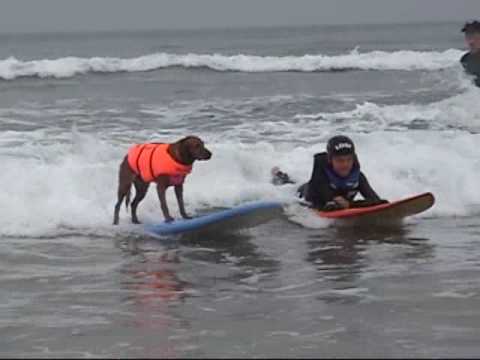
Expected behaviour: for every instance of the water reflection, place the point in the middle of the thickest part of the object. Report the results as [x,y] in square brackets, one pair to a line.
[162,275]
[340,253]
[155,288]
[236,248]
[153,270]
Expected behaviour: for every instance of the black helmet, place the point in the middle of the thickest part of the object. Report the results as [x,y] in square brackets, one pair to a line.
[340,145]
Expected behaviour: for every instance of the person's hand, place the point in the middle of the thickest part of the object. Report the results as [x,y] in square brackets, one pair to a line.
[340,200]
[331,206]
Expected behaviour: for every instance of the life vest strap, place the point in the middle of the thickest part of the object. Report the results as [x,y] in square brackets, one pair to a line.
[152,172]
[138,162]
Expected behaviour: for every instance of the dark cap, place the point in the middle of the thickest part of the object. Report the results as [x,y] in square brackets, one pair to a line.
[340,145]
[471,27]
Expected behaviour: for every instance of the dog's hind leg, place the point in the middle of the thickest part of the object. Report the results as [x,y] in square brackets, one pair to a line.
[125,179]
[141,189]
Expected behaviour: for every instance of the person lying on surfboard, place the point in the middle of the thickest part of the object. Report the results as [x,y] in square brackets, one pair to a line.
[336,179]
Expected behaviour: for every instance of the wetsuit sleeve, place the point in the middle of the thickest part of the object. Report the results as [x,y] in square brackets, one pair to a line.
[463,61]
[366,190]
[471,65]
[319,192]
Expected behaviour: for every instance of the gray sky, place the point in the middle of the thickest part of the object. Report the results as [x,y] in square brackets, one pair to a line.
[75,15]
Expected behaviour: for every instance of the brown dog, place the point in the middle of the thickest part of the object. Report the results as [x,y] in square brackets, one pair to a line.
[166,165]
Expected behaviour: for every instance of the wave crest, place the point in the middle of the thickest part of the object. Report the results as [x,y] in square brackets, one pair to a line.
[408,60]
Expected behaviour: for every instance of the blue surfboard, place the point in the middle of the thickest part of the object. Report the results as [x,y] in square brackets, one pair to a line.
[239,217]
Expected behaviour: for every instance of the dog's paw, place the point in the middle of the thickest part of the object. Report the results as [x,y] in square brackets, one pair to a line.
[187,217]
[169,219]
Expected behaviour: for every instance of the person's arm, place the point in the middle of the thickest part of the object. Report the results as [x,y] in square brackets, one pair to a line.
[319,192]
[366,190]
[471,65]
[463,61]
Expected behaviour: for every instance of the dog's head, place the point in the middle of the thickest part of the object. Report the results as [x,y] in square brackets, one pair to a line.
[194,148]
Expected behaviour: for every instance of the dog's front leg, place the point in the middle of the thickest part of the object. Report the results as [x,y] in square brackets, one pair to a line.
[181,203]
[161,190]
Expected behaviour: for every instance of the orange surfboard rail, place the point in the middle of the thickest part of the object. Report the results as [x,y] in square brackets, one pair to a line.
[359,212]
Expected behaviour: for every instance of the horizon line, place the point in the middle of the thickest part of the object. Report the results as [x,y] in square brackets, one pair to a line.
[218,28]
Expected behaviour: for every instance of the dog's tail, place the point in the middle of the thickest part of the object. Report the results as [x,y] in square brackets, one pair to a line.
[127,198]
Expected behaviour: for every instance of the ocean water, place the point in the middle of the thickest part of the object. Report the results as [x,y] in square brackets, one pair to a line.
[74,285]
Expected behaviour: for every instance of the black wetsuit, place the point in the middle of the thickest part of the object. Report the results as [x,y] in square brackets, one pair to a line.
[471,64]
[320,189]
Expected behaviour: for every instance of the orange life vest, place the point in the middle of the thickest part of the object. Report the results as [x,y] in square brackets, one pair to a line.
[152,160]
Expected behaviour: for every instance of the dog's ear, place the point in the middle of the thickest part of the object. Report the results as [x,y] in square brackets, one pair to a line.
[195,148]
[190,139]
[185,148]
[192,143]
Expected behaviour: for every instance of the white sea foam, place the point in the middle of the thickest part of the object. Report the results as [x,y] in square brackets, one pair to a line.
[460,111]
[60,180]
[12,68]
[50,187]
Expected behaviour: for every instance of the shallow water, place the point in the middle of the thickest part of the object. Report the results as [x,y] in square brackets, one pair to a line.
[279,290]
